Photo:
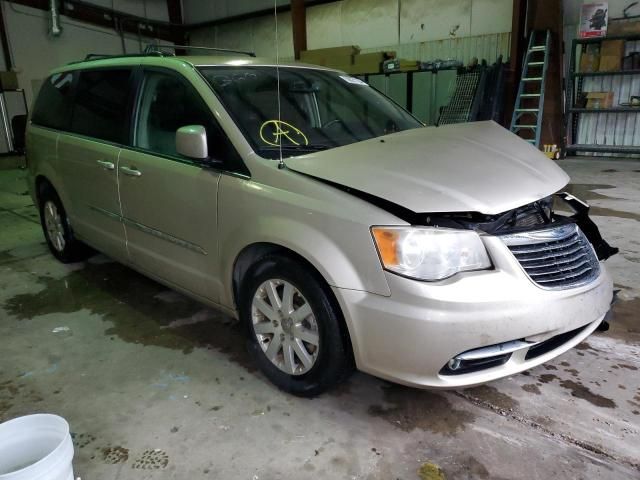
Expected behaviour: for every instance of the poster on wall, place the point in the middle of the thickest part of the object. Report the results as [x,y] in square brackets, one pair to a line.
[594,18]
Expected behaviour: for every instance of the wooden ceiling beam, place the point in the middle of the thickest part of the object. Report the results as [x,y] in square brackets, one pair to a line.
[299,27]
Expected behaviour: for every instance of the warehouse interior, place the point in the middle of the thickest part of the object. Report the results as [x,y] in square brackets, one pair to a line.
[156,384]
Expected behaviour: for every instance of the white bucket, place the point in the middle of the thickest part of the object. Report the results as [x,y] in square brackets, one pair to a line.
[36,447]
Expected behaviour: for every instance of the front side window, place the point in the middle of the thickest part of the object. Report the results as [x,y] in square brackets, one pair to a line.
[312,110]
[100,109]
[168,103]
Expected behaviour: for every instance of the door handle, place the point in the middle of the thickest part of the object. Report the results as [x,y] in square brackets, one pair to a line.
[106,165]
[131,171]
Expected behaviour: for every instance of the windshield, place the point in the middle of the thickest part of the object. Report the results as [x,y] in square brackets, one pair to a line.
[318,109]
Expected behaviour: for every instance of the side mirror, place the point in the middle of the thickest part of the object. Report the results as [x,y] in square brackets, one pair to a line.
[191,141]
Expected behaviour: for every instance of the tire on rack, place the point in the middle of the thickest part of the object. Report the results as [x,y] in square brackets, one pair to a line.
[57,230]
[294,327]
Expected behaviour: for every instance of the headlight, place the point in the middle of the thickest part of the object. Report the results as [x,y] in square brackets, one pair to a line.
[428,253]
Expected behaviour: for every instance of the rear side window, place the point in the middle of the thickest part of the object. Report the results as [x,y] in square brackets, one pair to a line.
[55,101]
[100,109]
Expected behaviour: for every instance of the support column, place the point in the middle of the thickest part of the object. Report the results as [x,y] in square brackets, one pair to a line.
[299,26]
[518,46]
[5,43]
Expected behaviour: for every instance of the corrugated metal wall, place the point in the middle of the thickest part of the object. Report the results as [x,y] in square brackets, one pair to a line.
[487,47]
[612,128]
[260,40]
[427,98]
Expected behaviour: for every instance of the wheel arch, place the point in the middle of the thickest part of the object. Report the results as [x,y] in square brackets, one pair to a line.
[41,183]
[253,253]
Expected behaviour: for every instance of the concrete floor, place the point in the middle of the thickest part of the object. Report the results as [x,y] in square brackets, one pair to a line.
[155,386]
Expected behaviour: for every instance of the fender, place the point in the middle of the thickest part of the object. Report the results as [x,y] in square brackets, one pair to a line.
[311,243]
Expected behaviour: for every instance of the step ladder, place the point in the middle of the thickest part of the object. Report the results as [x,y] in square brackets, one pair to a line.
[527,112]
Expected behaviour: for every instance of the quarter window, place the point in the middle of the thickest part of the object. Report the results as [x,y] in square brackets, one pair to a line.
[55,101]
[100,109]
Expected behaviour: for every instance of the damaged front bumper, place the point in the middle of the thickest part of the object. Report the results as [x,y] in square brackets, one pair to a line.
[547,292]
[589,228]
[412,336]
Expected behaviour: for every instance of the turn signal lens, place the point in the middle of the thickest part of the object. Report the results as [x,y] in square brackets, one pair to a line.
[386,242]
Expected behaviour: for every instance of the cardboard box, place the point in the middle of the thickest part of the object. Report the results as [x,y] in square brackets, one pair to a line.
[413,66]
[400,65]
[330,56]
[624,27]
[364,69]
[344,67]
[611,53]
[339,62]
[590,58]
[597,100]
[8,81]
[368,62]
[409,65]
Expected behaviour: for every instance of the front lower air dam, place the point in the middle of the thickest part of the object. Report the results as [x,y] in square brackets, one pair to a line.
[495,355]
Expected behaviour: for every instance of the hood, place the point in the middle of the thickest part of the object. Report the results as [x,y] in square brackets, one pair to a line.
[470,167]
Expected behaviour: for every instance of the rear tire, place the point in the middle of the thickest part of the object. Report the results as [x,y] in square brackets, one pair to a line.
[57,230]
[294,327]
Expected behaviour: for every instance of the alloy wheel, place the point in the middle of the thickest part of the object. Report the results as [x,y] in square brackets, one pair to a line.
[285,326]
[53,225]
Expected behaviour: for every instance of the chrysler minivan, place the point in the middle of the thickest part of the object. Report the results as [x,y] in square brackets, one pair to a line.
[337,228]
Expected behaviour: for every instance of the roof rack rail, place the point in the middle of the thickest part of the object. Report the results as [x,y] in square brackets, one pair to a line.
[101,56]
[154,48]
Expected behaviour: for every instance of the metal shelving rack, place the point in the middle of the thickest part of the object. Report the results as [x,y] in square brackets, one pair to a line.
[574,89]
[8,142]
[407,101]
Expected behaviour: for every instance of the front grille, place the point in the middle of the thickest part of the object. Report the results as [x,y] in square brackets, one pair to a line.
[555,258]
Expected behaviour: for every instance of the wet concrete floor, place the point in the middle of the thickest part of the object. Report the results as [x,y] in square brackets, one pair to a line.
[157,386]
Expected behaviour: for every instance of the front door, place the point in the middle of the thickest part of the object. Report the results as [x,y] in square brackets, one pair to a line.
[169,202]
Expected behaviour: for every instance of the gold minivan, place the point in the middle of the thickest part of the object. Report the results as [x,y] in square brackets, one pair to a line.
[335,226]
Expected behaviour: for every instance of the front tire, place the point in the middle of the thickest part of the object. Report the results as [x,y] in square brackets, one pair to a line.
[294,326]
[57,230]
